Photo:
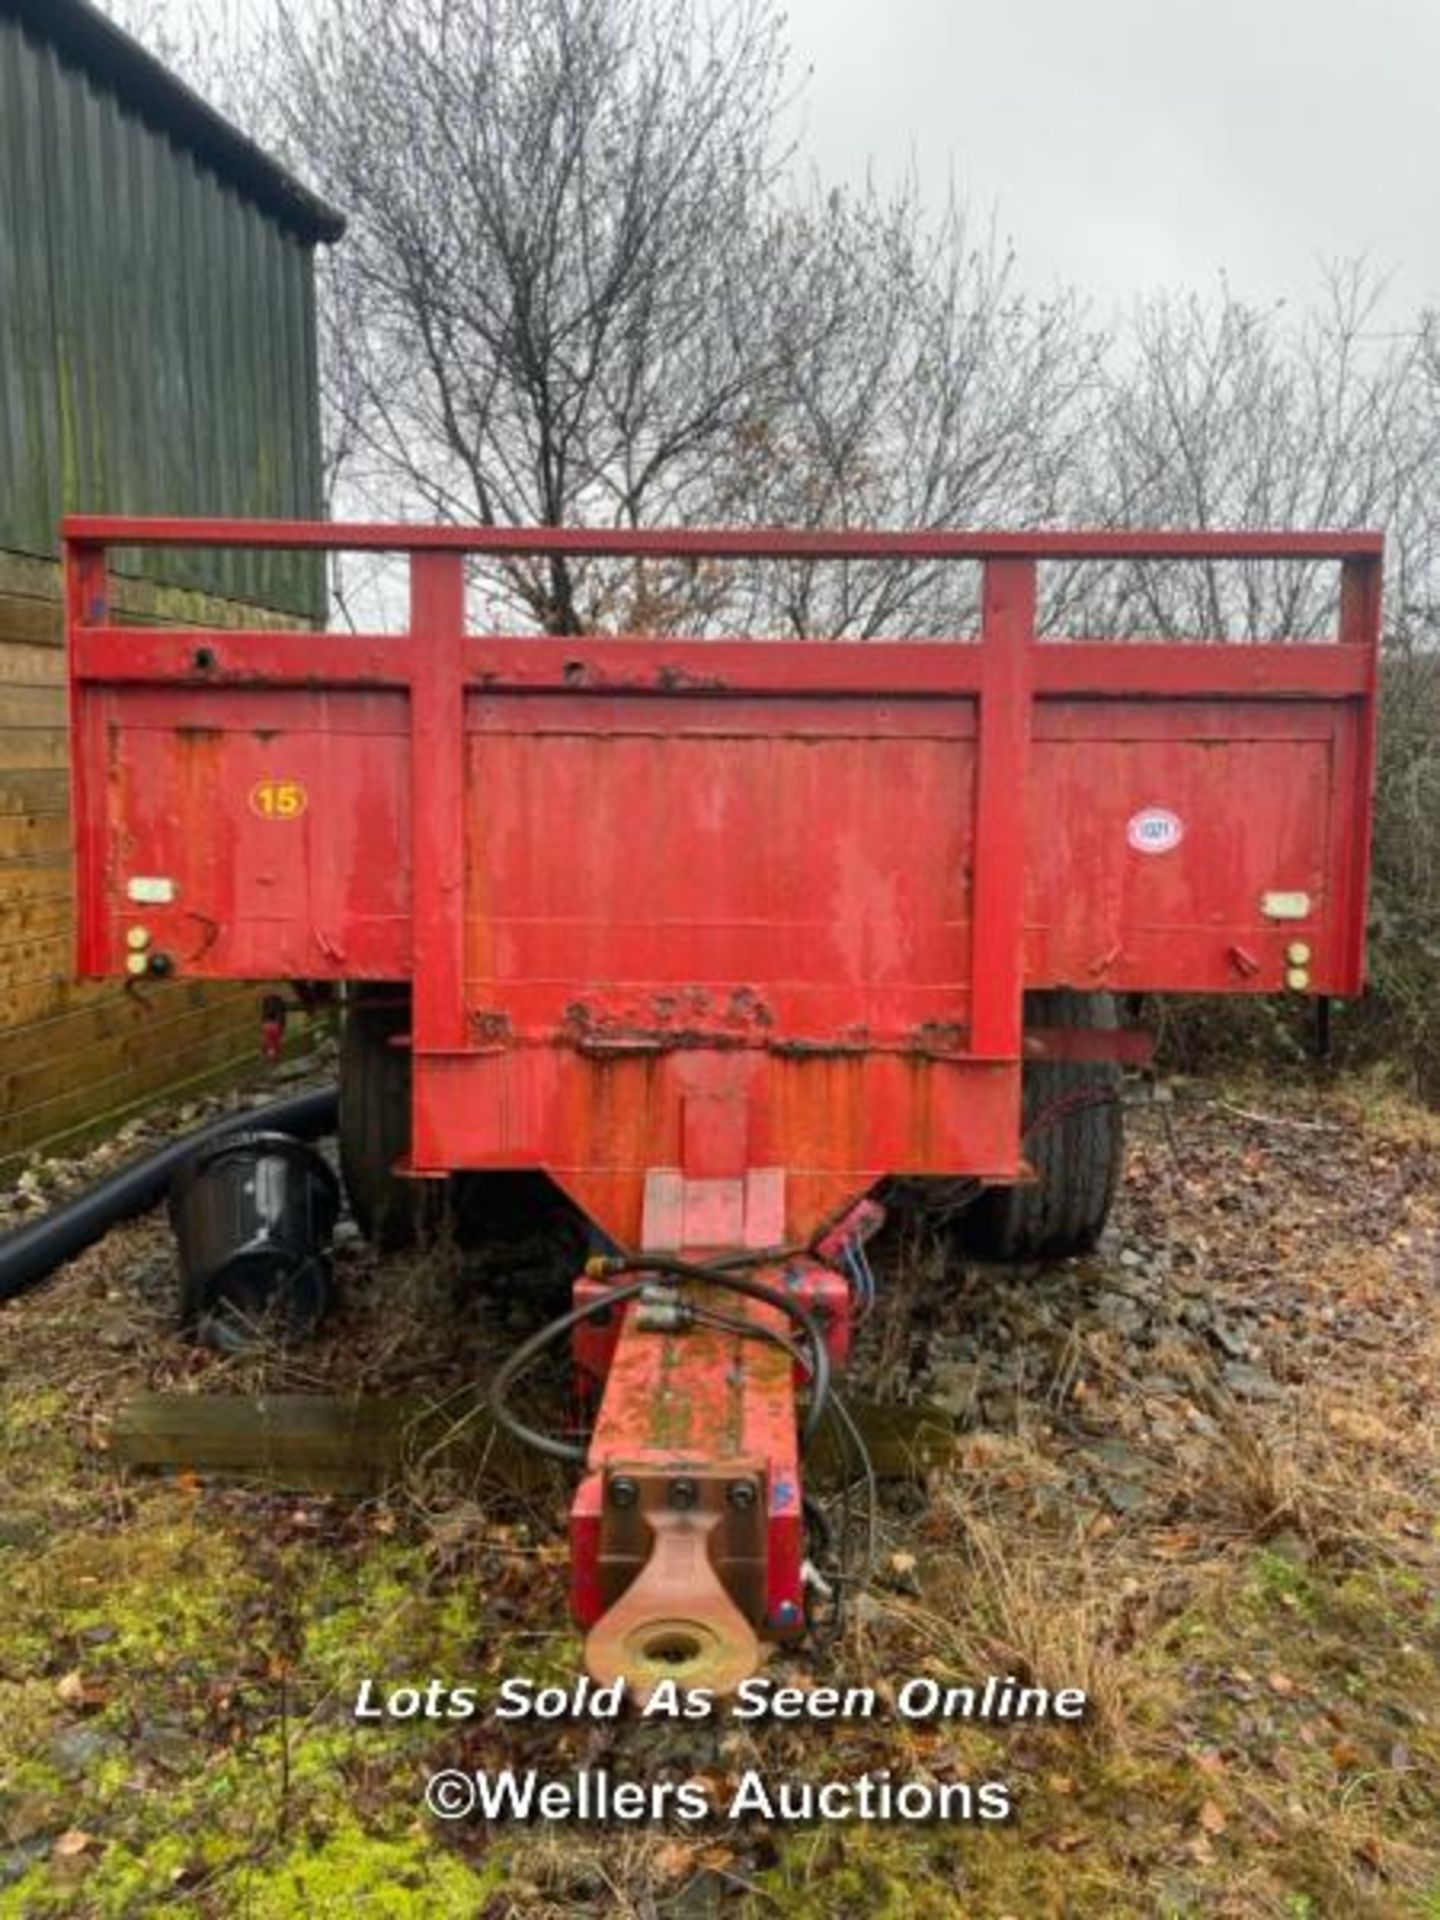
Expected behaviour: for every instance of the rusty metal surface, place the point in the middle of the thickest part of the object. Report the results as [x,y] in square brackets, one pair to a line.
[690,1511]
[836,1123]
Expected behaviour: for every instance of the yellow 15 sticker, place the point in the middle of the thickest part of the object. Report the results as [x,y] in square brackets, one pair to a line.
[278,799]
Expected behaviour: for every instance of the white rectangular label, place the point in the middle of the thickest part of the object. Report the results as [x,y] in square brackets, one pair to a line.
[1285,906]
[151,889]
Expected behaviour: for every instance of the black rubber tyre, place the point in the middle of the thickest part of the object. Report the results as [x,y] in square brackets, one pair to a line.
[1077,1151]
[528,1233]
[375,1125]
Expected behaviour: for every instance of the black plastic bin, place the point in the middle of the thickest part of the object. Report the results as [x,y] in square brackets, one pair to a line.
[253,1218]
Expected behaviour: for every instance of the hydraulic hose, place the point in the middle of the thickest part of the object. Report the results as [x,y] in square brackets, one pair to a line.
[29,1253]
[571,1452]
[722,1273]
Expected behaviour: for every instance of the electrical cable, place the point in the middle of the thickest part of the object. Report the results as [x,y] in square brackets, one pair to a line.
[816,1517]
[571,1452]
[842,1574]
[862,1279]
[872,1486]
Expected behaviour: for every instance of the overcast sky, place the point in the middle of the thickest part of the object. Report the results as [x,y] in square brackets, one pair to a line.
[1129,144]
[1126,145]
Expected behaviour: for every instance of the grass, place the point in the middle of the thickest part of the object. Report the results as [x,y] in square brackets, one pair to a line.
[1259,1635]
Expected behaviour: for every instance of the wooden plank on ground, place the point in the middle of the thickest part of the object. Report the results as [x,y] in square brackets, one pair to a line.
[328,1443]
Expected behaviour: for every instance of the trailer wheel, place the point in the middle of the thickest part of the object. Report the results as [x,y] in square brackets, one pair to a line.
[375,1125]
[1075,1140]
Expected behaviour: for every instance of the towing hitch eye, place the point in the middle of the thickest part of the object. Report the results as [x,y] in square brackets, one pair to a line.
[687,1531]
[675,1621]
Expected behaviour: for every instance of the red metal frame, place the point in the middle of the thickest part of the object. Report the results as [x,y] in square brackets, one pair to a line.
[714,543]
[1295,714]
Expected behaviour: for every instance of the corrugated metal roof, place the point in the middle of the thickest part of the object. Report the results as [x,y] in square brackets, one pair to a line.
[84,35]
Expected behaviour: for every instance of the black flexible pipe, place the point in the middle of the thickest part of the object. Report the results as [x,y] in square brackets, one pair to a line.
[514,1364]
[30,1252]
[722,1273]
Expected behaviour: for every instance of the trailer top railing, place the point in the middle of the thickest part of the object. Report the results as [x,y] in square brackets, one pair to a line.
[718,543]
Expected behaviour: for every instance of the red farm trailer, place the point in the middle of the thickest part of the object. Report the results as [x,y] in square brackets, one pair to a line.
[720,935]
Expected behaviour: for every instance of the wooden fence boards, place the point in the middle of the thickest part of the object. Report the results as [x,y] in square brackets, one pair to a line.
[76,1052]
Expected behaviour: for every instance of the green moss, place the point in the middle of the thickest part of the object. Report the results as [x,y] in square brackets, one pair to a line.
[878,1872]
[368,1616]
[150,1596]
[340,1870]
[124,1883]
[350,1871]
[942,1873]
[24,1422]
[30,1896]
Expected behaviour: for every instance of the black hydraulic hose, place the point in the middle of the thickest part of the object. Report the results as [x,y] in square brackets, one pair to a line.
[723,1274]
[571,1452]
[29,1253]
[510,1369]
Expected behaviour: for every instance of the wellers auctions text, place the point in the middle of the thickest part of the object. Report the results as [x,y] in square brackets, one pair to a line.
[922,1698]
[597,1798]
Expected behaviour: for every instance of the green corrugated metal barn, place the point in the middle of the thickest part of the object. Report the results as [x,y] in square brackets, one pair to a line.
[157,355]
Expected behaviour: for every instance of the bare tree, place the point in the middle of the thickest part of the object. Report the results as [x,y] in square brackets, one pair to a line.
[557,209]
[1221,414]
[913,385]
[576,288]
[220,48]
